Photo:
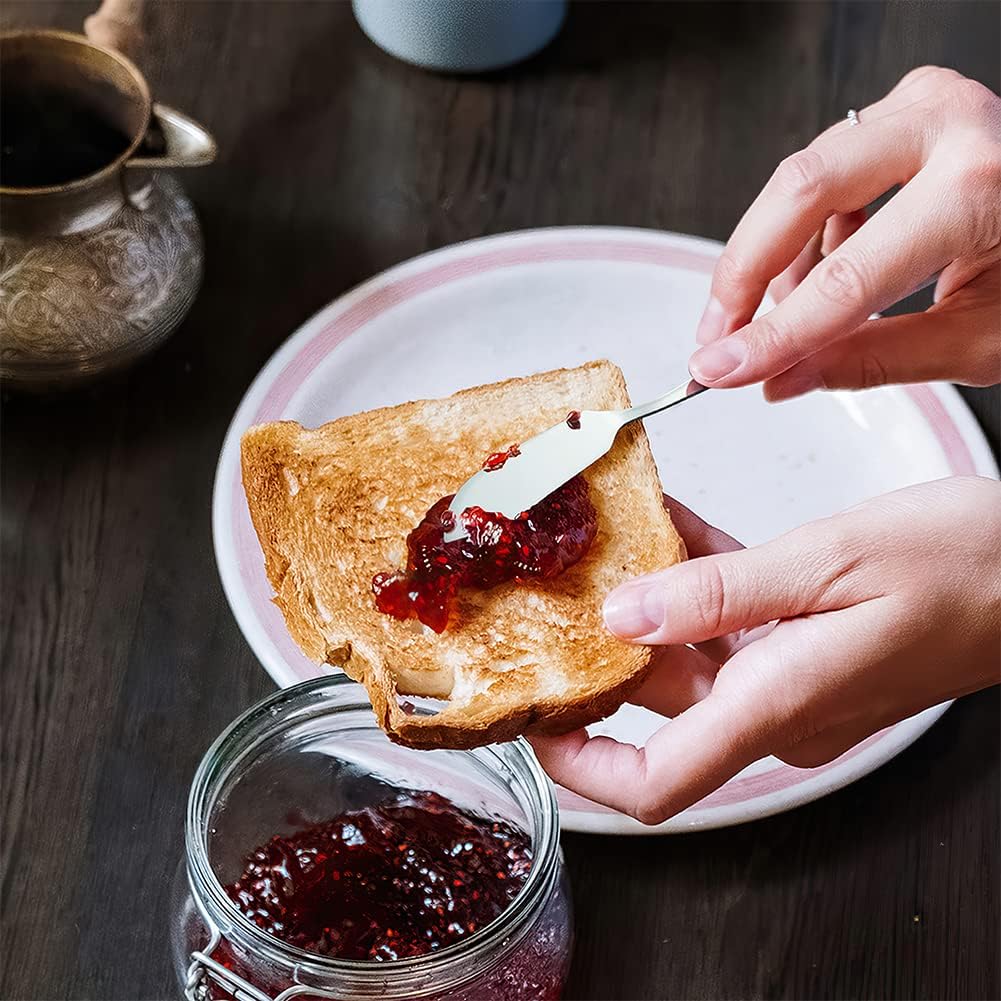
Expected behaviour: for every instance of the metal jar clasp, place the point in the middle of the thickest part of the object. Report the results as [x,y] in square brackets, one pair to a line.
[204,970]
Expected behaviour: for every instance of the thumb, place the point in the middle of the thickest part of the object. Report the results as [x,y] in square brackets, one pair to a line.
[957,339]
[807,570]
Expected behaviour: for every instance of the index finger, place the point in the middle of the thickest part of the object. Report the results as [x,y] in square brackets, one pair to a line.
[837,173]
[701,538]
[842,170]
[912,237]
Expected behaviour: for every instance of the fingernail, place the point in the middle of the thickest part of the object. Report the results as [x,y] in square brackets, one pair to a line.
[634,610]
[716,361]
[712,324]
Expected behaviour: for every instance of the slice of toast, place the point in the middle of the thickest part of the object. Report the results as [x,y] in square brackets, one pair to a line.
[333,507]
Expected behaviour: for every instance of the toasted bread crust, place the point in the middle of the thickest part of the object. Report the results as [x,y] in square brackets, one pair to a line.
[550,718]
[332,506]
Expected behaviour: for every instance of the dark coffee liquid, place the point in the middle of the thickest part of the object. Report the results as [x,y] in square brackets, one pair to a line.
[49,137]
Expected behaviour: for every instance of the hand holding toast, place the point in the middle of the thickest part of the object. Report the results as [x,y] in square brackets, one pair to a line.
[938,135]
[801,647]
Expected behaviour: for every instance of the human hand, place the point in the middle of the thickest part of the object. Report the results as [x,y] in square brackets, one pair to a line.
[939,135]
[883,610]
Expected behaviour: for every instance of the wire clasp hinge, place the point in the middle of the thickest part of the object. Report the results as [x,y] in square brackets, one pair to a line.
[204,971]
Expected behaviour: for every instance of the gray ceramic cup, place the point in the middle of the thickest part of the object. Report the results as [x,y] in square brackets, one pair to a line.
[461,36]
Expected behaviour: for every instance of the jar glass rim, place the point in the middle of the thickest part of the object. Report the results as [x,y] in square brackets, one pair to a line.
[245,732]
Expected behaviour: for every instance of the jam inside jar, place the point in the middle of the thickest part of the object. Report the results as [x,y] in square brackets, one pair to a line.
[323,861]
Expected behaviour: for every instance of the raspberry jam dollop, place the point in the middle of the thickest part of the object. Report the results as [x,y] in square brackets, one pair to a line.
[537,545]
[392,881]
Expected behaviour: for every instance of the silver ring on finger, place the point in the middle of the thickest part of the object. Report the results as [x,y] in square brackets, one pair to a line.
[853,118]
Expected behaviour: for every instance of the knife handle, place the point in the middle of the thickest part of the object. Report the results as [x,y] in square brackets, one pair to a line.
[677,395]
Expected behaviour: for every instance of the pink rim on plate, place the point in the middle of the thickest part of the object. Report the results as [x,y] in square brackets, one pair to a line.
[753,794]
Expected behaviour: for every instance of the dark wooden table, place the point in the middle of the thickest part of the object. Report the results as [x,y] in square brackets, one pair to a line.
[121,660]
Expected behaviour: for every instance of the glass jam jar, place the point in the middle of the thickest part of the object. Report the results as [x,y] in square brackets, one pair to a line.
[314,752]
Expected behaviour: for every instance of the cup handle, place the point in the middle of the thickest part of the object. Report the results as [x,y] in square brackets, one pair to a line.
[187,144]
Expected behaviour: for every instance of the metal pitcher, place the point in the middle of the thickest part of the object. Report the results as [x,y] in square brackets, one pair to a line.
[99,268]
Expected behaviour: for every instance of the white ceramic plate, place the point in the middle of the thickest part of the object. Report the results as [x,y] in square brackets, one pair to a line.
[525,302]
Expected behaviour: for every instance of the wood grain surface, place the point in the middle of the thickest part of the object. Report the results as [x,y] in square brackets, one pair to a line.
[121,660]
